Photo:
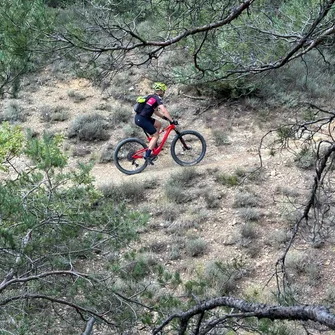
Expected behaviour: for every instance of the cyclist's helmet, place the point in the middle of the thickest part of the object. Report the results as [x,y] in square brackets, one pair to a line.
[159,87]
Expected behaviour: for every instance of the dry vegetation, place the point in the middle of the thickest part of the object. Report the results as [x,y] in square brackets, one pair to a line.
[225,219]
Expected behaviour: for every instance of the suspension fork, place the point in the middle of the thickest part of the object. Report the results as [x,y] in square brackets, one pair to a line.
[186,147]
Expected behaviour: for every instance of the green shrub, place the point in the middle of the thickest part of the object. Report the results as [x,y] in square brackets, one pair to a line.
[254,175]
[224,276]
[196,247]
[175,193]
[13,112]
[245,199]
[253,249]
[287,191]
[180,227]
[120,84]
[76,96]
[277,238]
[212,200]
[175,252]
[313,272]
[157,247]
[125,192]
[220,137]
[300,78]
[235,88]
[228,180]
[175,111]
[122,114]
[306,158]
[169,212]
[184,177]
[91,127]
[290,213]
[139,267]
[285,132]
[249,231]
[186,222]
[51,114]
[131,130]
[107,154]
[291,295]
[297,262]
[249,214]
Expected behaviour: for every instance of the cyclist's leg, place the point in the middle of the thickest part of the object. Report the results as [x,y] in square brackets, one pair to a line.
[146,124]
[149,126]
[155,136]
[157,125]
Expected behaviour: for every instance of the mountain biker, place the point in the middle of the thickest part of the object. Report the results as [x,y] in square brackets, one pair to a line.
[154,105]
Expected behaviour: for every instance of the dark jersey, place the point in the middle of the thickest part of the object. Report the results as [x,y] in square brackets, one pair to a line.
[152,103]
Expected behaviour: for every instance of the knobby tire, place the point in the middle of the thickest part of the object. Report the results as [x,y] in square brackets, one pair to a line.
[123,153]
[188,148]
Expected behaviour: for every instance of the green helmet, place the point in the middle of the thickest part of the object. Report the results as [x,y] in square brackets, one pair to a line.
[159,87]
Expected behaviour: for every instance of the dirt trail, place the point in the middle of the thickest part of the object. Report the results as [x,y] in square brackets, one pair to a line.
[165,165]
[242,152]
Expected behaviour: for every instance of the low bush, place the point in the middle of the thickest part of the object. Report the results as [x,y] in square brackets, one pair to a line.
[52,114]
[196,247]
[297,262]
[227,180]
[224,276]
[131,130]
[124,192]
[12,113]
[184,177]
[249,214]
[245,199]
[305,159]
[248,231]
[91,127]
[220,137]
[212,200]
[76,96]
[121,114]
[107,154]
[175,193]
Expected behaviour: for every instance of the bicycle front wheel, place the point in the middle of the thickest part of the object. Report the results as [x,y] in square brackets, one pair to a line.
[128,156]
[188,148]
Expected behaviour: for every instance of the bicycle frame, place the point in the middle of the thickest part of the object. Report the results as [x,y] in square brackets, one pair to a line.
[129,153]
[157,150]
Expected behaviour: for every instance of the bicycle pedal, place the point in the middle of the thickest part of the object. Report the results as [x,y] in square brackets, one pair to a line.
[149,160]
[153,158]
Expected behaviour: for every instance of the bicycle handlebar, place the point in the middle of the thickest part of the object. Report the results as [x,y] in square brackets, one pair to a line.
[175,122]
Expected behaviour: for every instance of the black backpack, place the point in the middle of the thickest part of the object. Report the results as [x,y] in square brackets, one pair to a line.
[140,103]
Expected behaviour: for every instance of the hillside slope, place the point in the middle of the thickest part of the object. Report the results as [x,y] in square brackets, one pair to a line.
[239,212]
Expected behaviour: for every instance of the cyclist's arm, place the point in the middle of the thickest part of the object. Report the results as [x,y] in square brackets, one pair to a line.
[162,112]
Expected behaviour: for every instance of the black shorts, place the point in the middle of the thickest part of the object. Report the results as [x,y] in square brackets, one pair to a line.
[145,123]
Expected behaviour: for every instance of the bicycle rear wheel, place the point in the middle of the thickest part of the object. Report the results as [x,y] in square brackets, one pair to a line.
[128,156]
[188,148]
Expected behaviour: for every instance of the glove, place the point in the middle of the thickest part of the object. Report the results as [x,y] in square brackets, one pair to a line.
[175,122]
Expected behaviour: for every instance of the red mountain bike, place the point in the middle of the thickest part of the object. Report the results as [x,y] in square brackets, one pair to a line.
[188,148]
